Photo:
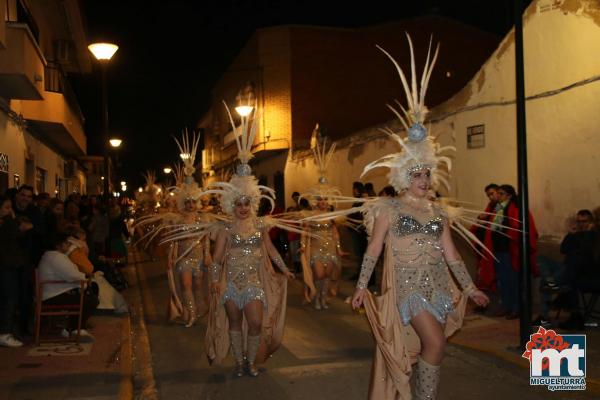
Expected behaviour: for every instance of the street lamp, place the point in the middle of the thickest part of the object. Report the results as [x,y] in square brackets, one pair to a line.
[167,170]
[115,142]
[245,100]
[184,156]
[103,53]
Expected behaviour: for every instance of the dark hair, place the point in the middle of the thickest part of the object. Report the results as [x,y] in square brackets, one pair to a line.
[304,204]
[58,239]
[491,186]
[389,191]
[4,198]
[295,194]
[583,213]
[25,187]
[510,190]
[358,186]
[370,189]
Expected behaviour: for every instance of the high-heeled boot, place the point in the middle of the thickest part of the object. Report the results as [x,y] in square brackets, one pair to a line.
[237,348]
[253,343]
[324,293]
[317,299]
[426,380]
[190,305]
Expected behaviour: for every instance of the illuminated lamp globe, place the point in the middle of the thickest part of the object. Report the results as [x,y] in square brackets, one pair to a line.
[115,142]
[244,111]
[103,51]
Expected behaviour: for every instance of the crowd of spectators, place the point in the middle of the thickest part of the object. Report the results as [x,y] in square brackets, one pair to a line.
[54,240]
[578,273]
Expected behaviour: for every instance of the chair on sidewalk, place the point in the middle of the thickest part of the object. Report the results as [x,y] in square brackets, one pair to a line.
[50,310]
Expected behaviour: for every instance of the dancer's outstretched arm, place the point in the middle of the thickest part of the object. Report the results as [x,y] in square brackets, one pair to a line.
[214,268]
[275,256]
[380,230]
[459,269]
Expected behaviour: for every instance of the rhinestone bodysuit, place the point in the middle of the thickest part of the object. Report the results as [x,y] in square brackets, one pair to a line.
[243,261]
[421,275]
[323,246]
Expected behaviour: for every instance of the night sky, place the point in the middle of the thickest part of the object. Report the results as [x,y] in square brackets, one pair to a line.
[172,52]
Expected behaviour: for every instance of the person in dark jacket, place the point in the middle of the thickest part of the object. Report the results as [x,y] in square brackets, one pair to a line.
[12,260]
[31,243]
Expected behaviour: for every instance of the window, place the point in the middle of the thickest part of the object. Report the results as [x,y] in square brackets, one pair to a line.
[40,180]
[475,136]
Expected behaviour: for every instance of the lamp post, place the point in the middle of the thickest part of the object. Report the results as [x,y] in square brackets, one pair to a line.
[103,52]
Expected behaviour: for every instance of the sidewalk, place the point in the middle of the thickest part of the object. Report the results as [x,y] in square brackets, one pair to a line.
[95,369]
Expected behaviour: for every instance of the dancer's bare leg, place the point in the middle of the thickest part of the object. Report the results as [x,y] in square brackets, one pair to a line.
[329,268]
[319,275]
[200,286]
[190,313]
[433,345]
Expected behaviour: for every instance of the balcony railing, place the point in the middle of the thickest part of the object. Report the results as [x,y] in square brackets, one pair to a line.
[23,15]
[56,81]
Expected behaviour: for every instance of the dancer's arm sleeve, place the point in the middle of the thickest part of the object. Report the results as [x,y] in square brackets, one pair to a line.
[459,270]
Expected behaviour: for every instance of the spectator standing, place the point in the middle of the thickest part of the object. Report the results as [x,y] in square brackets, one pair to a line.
[507,252]
[12,260]
[486,275]
[31,243]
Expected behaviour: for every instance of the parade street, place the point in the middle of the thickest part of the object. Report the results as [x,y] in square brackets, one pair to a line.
[325,355]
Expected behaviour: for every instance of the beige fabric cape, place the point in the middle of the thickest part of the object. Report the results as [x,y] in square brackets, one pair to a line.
[397,346]
[216,341]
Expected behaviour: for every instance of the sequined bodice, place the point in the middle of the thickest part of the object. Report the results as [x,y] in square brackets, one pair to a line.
[244,259]
[197,251]
[404,225]
[252,241]
[321,225]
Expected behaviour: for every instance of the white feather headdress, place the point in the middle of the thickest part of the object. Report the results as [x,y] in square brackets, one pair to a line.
[242,184]
[186,187]
[323,155]
[151,191]
[419,149]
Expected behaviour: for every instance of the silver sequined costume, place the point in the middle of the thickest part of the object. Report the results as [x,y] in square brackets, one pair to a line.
[323,246]
[421,275]
[193,261]
[243,260]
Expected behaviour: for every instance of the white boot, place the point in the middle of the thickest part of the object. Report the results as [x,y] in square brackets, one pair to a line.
[237,348]
[426,380]
[253,344]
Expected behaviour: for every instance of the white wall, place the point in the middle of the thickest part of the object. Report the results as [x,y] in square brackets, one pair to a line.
[16,143]
[561,48]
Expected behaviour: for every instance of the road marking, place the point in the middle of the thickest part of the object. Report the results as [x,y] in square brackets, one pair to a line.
[319,368]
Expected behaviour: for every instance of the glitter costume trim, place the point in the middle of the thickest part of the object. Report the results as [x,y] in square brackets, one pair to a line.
[439,306]
[245,296]
[324,259]
[193,265]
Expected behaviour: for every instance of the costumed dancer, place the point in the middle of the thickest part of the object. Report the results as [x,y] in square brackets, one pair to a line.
[248,298]
[420,305]
[147,203]
[320,244]
[188,257]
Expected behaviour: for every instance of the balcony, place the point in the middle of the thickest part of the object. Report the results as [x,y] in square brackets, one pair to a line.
[21,64]
[57,119]
[3,12]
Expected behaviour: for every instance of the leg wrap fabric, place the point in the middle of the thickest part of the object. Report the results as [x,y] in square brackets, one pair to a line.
[427,379]
[237,347]
[253,343]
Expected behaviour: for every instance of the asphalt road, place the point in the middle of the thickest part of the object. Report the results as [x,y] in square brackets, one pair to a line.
[325,355]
